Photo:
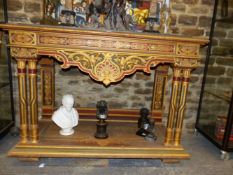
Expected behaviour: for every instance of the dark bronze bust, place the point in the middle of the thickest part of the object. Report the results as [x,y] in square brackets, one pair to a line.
[101,115]
[146,125]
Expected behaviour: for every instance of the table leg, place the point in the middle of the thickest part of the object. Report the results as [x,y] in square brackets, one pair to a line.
[32,67]
[173,106]
[21,67]
[180,114]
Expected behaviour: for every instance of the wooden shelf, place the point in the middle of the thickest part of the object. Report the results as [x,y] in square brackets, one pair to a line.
[122,143]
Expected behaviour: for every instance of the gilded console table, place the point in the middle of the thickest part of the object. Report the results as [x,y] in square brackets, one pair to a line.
[107,57]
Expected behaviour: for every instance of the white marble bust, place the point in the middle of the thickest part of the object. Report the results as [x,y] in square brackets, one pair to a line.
[66,117]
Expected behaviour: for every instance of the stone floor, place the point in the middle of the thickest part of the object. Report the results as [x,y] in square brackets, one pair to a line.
[205,161]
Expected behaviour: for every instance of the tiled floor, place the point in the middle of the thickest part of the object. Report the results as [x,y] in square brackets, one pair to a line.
[205,161]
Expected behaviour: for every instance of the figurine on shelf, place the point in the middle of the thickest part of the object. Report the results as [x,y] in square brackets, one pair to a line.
[146,126]
[58,9]
[101,114]
[66,117]
[81,13]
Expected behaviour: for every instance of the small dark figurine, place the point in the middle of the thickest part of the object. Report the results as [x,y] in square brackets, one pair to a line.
[101,114]
[146,126]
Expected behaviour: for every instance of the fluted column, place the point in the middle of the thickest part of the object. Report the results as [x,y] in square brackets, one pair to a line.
[169,138]
[21,67]
[32,75]
[181,108]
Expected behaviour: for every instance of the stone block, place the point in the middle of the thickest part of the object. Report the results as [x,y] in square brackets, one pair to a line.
[216,71]
[230,72]
[207,2]
[178,7]
[225,61]
[198,10]
[187,20]
[134,98]
[117,104]
[120,90]
[32,7]
[230,34]
[73,82]
[14,5]
[204,21]
[190,1]
[192,32]
[138,105]
[224,25]
[210,80]
[220,51]
[143,91]
[226,42]
[220,33]
[17,17]
[224,81]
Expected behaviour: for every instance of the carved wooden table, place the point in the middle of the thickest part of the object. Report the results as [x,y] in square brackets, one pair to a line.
[107,57]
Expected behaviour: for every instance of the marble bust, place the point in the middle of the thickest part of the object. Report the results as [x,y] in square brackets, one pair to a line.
[66,117]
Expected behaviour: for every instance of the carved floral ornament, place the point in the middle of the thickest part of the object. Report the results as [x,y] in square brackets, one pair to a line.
[106,67]
[20,37]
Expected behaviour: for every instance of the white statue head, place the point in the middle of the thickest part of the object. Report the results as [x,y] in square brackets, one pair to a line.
[63,2]
[68,102]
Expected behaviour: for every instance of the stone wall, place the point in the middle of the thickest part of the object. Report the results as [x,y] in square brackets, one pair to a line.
[219,80]
[190,18]
[5,110]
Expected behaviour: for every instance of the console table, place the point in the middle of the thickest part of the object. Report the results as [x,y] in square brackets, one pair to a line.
[106,57]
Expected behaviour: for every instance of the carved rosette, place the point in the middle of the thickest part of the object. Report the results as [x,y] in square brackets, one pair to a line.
[20,37]
[106,67]
[187,50]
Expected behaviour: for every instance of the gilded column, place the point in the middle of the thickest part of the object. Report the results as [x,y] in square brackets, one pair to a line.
[21,66]
[169,138]
[32,65]
[181,108]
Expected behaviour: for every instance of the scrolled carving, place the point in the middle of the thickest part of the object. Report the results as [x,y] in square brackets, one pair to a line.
[106,67]
[185,49]
[18,37]
[19,52]
[186,63]
[107,44]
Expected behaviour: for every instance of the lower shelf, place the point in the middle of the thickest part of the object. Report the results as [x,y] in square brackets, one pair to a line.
[121,143]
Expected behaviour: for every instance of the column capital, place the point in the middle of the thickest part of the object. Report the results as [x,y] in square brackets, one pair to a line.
[186,63]
[24,53]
